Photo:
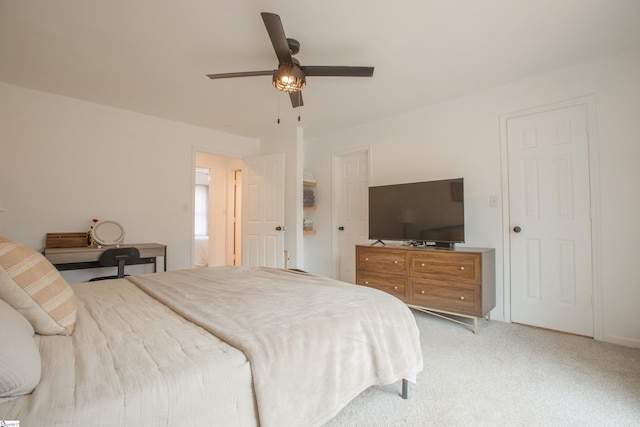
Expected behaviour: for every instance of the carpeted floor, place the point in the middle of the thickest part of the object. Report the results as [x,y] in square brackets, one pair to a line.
[506,375]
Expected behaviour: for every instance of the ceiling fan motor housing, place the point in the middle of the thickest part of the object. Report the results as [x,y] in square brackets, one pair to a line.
[294,46]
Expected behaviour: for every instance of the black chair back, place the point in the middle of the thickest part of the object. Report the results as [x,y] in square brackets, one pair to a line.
[118,257]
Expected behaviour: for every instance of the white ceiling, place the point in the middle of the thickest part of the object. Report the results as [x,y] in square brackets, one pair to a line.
[151,56]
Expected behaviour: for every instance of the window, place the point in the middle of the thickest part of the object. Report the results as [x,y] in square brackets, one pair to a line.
[201,214]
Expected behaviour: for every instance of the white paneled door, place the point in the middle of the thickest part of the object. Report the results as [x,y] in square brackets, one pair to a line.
[351,173]
[263,225]
[550,223]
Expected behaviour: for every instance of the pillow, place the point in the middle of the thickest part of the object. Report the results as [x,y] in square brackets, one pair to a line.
[20,365]
[31,285]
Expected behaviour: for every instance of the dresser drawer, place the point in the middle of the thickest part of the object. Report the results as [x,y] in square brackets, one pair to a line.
[394,285]
[458,267]
[452,297]
[382,260]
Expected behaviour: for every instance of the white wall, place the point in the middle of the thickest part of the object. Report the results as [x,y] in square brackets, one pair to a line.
[64,161]
[462,138]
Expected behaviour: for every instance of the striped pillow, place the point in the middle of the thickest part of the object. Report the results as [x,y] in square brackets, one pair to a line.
[34,288]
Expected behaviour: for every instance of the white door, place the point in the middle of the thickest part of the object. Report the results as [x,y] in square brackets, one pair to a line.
[351,172]
[550,225]
[263,211]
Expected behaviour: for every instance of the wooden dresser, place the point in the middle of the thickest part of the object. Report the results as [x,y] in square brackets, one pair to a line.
[460,281]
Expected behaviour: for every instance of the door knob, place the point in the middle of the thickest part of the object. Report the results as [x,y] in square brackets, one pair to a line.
[341,228]
[278,228]
[517,229]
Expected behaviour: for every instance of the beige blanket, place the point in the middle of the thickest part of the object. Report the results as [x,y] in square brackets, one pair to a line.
[133,362]
[313,343]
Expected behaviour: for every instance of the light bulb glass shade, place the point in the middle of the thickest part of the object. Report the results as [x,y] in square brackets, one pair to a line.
[289,78]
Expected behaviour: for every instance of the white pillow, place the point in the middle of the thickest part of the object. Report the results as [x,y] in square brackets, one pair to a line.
[20,365]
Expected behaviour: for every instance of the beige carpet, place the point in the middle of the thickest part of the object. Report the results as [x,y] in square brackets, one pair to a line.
[507,375]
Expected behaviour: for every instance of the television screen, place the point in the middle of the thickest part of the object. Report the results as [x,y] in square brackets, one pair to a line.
[423,212]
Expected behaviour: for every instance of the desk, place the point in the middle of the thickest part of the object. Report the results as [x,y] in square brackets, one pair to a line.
[87,257]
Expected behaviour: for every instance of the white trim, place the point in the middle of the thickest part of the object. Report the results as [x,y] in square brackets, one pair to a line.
[594,181]
[506,222]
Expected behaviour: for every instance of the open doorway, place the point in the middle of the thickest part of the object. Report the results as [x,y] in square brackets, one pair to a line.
[217,211]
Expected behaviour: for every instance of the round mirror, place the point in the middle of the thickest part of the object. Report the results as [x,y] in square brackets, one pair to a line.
[108,233]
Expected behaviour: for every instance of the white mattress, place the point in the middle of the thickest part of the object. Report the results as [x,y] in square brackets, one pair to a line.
[131,361]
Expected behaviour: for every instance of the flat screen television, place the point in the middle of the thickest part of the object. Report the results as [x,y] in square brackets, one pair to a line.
[422,213]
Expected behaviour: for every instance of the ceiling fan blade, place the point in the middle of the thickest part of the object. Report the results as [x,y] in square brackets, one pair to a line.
[241,74]
[337,71]
[296,99]
[276,33]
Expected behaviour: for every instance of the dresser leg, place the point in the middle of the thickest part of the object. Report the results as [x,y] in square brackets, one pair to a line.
[405,389]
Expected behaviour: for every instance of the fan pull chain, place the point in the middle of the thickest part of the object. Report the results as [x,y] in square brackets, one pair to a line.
[278,108]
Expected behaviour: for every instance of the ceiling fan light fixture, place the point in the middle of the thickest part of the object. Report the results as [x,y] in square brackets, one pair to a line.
[289,78]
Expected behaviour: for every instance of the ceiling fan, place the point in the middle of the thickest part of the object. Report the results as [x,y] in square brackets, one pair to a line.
[291,76]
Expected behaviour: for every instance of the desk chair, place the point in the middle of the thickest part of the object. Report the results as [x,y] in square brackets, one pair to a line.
[118,257]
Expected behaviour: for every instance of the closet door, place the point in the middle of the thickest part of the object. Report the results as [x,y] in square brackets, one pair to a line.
[263,225]
[550,222]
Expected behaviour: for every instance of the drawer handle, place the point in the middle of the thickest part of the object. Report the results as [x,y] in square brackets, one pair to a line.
[366,259]
[461,268]
[461,298]
[395,288]
[366,282]
[422,292]
[395,262]
[422,264]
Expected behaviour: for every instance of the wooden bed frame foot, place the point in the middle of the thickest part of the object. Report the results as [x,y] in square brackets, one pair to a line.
[405,389]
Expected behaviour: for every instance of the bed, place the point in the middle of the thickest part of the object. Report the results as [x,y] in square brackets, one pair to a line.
[213,346]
